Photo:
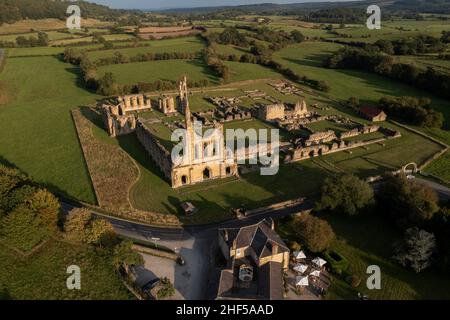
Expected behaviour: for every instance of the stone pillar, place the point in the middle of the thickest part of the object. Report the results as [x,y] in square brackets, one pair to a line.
[127,102]
[141,101]
[134,101]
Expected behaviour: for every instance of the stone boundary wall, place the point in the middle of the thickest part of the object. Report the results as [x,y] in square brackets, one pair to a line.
[155,252]
[433,157]
[276,206]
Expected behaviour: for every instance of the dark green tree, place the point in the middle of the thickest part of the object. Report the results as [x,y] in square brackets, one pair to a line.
[345,193]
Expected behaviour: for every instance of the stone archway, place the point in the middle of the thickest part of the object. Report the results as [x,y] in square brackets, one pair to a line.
[184,180]
[410,168]
[206,173]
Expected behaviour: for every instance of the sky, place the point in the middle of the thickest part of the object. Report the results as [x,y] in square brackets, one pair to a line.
[164,4]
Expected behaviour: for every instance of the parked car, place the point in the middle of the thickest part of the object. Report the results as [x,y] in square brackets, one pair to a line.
[151,284]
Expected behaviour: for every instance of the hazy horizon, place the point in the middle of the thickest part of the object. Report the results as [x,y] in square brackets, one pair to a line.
[168,4]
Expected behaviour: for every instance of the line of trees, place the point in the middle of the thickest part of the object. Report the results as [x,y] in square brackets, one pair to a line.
[107,85]
[415,110]
[15,10]
[378,62]
[120,58]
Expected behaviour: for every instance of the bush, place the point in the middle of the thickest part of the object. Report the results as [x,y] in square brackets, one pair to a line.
[315,233]
[337,262]
[166,290]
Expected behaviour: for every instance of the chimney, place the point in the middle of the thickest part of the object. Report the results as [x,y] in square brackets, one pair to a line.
[274,248]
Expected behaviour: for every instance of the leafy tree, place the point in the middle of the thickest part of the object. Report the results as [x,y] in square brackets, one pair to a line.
[125,256]
[353,103]
[297,36]
[100,232]
[407,202]
[416,249]
[166,289]
[315,233]
[107,85]
[76,224]
[32,221]
[345,193]
[4,293]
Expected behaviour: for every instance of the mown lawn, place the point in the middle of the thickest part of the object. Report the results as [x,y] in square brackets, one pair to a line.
[37,132]
[42,275]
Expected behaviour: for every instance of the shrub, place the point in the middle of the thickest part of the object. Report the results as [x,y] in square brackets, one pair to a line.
[337,262]
[315,233]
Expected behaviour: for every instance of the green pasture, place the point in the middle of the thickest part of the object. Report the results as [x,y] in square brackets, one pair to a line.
[188,44]
[133,73]
[38,134]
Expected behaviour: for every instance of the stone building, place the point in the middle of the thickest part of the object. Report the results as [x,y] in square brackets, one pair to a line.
[372,113]
[166,104]
[271,112]
[256,258]
[119,115]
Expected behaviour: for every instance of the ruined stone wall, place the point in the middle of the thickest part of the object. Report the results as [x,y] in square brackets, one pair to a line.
[271,112]
[115,124]
[155,149]
[135,102]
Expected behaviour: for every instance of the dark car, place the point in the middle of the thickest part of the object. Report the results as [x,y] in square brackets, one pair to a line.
[151,284]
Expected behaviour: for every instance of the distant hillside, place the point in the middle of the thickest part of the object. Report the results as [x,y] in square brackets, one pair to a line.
[412,6]
[14,10]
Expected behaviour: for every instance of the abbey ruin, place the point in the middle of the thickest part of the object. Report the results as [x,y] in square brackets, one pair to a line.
[207,157]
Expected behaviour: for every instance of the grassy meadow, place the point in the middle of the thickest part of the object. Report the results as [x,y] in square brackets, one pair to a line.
[173,70]
[38,134]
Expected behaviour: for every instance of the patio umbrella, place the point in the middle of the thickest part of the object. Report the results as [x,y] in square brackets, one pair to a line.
[302,281]
[315,273]
[319,262]
[300,268]
[299,255]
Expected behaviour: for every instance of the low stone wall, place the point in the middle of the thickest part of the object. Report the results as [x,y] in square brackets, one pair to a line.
[155,252]
[276,206]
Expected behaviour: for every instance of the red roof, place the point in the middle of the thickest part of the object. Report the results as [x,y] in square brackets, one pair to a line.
[371,112]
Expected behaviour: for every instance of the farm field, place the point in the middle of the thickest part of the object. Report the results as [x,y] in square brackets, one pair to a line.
[37,131]
[133,73]
[189,44]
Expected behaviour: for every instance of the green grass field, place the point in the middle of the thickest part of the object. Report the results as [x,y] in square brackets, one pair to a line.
[306,58]
[187,44]
[37,131]
[248,71]
[151,71]
[42,275]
